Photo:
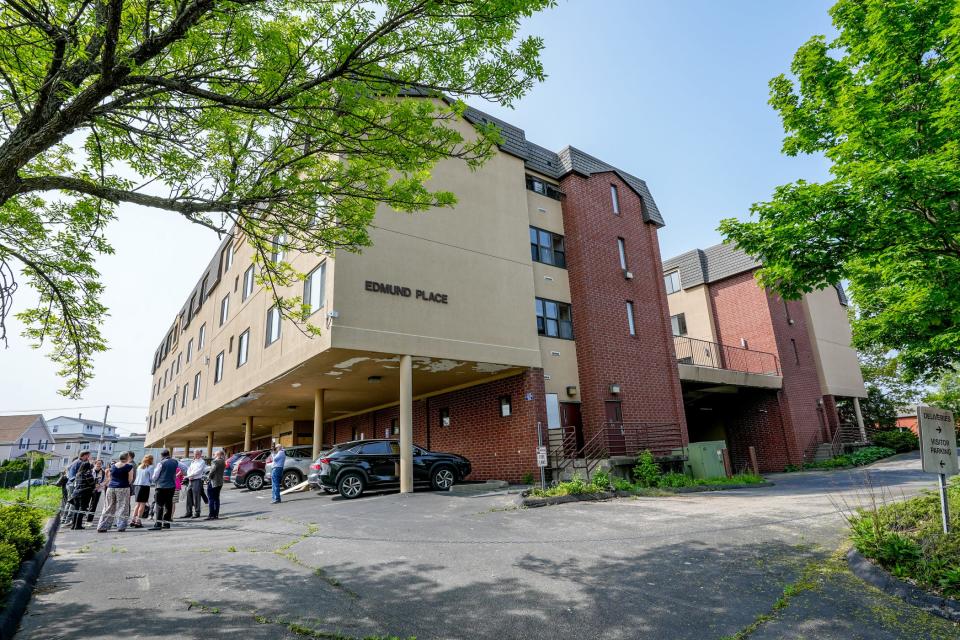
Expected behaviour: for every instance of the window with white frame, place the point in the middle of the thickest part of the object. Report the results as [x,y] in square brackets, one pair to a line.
[631,327]
[276,252]
[615,198]
[247,283]
[202,336]
[672,282]
[196,386]
[313,289]
[218,368]
[189,350]
[243,348]
[224,309]
[553,411]
[622,250]
[273,325]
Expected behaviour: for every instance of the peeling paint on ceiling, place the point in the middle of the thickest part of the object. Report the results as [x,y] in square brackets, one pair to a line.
[348,364]
[489,367]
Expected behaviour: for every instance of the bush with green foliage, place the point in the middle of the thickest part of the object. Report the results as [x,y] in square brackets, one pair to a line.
[527,478]
[858,458]
[22,527]
[907,539]
[899,441]
[9,565]
[601,479]
[575,487]
[646,473]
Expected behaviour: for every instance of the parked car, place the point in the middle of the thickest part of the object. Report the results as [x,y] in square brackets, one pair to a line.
[353,467]
[295,469]
[36,482]
[230,462]
[248,471]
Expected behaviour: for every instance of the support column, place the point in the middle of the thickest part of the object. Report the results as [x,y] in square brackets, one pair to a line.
[248,434]
[856,409]
[210,444]
[317,422]
[406,424]
[186,449]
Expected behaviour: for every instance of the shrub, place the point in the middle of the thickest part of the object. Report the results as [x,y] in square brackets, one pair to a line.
[622,484]
[867,455]
[674,479]
[22,527]
[527,478]
[647,472]
[9,564]
[601,480]
[899,441]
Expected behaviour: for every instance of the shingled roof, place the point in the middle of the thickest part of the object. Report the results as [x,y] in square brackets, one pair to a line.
[12,427]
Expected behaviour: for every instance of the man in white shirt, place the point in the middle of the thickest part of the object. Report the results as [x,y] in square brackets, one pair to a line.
[194,479]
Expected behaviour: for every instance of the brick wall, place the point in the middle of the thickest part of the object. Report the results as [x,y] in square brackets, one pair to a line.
[501,448]
[643,365]
[757,421]
[744,311]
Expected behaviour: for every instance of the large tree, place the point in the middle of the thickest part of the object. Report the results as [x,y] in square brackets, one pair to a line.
[882,102]
[286,120]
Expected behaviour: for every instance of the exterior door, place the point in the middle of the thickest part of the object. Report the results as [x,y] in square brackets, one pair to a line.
[616,444]
[572,424]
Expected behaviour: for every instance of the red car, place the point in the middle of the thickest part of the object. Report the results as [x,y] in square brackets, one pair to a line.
[248,470]
[228,466]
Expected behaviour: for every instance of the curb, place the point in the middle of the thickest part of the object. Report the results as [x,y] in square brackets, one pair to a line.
[883,580]
[26,580]
[526,501]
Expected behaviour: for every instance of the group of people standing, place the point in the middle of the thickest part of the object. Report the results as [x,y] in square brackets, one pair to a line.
[84,482]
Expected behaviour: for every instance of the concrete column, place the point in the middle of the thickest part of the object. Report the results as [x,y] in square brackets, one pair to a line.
[856,409]
[210,444]
[317,422]
[406,424]
[248,434]
[186,449]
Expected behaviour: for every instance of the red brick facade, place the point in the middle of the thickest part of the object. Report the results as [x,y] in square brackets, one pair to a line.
[502,448]
[746,315]
[644,365]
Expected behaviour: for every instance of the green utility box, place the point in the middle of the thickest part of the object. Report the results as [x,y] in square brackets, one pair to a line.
[706,459]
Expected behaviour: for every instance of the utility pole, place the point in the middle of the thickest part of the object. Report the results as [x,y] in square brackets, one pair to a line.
[29,471]
[103,428]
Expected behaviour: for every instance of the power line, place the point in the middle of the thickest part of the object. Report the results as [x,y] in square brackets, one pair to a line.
[92,406]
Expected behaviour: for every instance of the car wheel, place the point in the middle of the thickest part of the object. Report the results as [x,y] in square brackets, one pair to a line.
[442,478]
[350,485]
[254,481]
[290,479]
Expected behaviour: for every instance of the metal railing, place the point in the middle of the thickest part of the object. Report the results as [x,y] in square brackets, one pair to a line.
[849,434]
[714,355]
[617,439]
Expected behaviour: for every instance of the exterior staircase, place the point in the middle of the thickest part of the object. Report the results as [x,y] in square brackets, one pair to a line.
[824,452]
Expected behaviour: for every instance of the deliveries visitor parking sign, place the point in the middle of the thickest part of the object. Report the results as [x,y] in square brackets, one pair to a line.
[938,440]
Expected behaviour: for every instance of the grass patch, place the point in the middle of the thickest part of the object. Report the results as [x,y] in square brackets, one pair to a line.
[231,549]
[303,630]
[907,539]
[858,458]
[46,498]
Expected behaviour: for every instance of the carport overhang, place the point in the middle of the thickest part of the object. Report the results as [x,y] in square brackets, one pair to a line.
[697,376]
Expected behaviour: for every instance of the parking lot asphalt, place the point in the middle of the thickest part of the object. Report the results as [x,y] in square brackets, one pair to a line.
[437,566]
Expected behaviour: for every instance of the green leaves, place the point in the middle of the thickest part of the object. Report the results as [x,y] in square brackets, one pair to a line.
[264,118]
[882,102]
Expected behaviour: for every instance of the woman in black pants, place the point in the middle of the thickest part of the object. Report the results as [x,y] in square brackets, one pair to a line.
[82,492]
[99,482]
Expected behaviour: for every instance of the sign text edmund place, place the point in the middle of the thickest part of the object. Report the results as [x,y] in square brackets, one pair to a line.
[405,292]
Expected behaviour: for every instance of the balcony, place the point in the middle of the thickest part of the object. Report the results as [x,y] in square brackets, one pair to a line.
[715,363]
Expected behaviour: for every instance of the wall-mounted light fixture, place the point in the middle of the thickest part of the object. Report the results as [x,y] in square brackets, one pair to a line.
[572,390]
[374,379]
[615,389]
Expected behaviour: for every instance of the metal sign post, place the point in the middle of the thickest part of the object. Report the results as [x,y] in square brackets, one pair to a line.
[938,449]
[29,472]
[541,457]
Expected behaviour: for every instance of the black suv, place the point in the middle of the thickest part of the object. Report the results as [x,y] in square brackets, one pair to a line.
[352,467]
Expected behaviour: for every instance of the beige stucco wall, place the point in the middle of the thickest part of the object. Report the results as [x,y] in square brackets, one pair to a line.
[830,335]
[694,303]
[476,253]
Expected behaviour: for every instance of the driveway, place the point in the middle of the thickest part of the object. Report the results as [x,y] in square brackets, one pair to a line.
[432,565]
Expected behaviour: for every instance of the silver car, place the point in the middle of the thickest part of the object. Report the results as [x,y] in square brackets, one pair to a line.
[295,469]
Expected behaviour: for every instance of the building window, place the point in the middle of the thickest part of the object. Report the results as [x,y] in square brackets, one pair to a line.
[247,283]
[273,325]
[55,429]
[189,350]
[672,282]
[218,368]
[179,361]
[547,247]
[796,352]
[169,401]
[173,406]
[196,386]
[554,319]
[506,406]
[444,417]
[228,256]
[615,198]
[394,428]
[202,336]
[631,326]
[543,188]
[276,250]
[224,309]
[679,324]
[622,250]
[243,347]
[183,399]
[203,292]
[313,289]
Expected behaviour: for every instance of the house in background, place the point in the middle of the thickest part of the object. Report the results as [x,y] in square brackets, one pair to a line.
[20,435]
[135,442]
[75,435]
[907,419]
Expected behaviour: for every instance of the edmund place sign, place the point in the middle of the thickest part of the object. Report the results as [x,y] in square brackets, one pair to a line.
[405,292]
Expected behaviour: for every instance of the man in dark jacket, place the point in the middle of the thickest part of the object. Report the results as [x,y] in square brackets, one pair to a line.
[164,479]
[215,484]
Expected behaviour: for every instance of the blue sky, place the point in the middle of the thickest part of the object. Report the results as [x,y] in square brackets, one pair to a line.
[675,93]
